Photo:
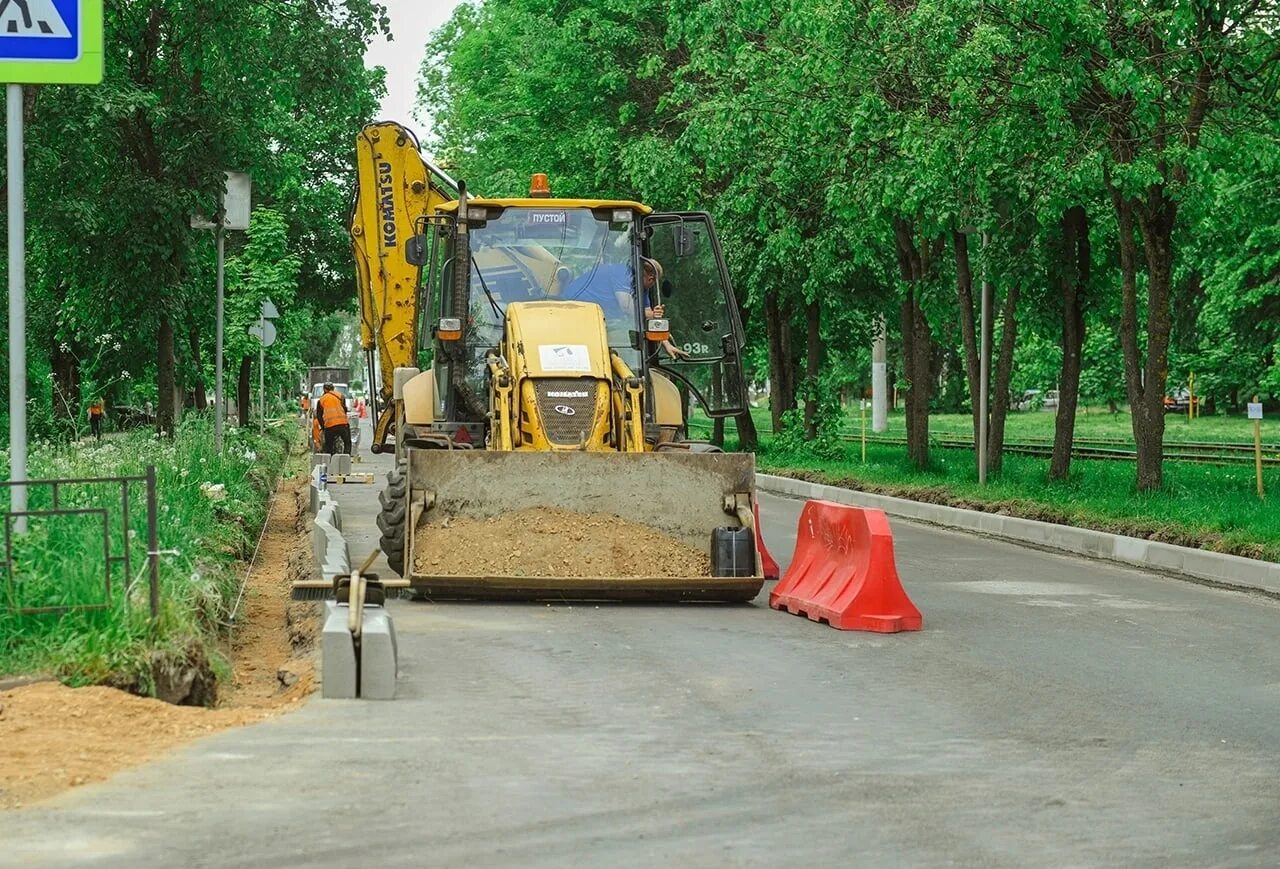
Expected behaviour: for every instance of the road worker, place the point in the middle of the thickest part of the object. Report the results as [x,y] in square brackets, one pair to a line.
[331,414]
[96,412]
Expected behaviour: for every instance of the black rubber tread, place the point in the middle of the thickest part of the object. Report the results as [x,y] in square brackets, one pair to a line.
[391,516]
[391,520]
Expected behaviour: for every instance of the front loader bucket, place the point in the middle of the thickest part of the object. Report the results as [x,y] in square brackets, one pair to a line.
[679,498]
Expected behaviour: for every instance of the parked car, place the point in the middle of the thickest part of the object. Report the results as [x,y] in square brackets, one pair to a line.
[1050,400]
[1030,400]
[1180,401]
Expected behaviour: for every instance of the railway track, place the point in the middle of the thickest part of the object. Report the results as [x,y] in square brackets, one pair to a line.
[1105,449]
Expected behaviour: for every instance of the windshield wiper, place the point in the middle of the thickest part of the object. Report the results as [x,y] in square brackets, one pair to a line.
[484,286]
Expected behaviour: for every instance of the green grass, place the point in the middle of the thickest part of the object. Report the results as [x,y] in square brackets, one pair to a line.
[1207,506]
[1097,423]
[1091,423]
[60,560]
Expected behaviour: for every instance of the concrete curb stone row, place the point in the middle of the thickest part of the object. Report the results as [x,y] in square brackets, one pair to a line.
[1182,561]
[346,675]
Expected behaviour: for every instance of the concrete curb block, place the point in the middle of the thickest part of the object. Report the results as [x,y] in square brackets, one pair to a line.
[1196,564]
[377,663]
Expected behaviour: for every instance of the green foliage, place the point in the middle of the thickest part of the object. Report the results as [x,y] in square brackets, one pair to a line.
[812,130]
[116,171]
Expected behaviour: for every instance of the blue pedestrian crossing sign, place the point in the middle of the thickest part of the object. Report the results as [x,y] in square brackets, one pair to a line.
[51,41]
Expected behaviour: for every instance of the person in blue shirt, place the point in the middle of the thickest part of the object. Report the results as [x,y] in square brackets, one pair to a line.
[602,285]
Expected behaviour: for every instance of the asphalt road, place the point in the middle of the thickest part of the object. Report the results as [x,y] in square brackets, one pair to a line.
[1054,712]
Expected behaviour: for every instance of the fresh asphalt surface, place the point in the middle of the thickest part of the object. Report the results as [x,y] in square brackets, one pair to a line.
[1054,712]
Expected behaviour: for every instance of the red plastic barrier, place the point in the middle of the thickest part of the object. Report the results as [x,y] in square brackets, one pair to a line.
[771,571]
[843,572]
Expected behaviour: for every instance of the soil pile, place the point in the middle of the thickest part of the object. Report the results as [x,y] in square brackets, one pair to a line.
[549,542]
[55,738]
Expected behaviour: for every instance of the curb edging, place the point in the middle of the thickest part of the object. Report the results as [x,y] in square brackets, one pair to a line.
[1200,565]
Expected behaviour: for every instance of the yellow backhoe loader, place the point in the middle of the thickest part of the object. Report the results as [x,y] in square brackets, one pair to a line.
[567,339]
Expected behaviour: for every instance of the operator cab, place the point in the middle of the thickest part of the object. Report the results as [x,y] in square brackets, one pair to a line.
[541,248]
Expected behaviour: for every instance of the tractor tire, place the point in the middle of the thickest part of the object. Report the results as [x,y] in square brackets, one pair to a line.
[391,520]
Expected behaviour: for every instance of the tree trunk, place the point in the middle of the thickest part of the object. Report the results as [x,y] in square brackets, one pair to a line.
[813,367]
[1004,374]
[1073,269]
[748,440]
[1145,383]
[917,341]
[66,383]
[717,400]
[968,328]
[748,437]
[193,339]
[166,377]
[242,389]
[781,389]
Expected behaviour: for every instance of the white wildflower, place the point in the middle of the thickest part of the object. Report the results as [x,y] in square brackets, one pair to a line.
[214,491]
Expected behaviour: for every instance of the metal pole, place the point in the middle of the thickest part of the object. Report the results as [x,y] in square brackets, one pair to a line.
[262,377]
[153,541]
[17,307]
[219,404]
[984,368]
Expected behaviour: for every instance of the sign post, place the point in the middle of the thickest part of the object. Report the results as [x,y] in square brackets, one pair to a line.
[265,331]
[1255,414]
[862,404]
[233,213]
[41,42]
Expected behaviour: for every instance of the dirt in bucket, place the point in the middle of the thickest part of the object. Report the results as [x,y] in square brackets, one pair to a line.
[550,542]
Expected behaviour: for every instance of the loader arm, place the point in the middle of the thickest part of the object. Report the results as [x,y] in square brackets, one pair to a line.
[396,188]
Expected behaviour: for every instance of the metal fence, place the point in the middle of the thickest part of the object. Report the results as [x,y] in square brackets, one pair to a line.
[123,560]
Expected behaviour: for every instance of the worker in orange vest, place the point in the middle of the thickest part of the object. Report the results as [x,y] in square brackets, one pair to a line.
[96,411]
[331,413]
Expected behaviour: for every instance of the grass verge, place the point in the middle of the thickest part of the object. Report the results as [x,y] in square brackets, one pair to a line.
[1204,506]
[210,509]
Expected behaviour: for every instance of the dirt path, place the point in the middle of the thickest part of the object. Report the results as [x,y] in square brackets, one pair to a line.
[55,738]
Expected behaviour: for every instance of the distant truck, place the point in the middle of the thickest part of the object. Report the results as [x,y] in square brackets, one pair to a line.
[318,376]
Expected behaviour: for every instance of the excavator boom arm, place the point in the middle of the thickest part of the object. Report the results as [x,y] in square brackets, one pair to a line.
[396,188]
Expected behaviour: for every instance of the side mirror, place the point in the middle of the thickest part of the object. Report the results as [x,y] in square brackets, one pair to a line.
[684,240]
[415,250]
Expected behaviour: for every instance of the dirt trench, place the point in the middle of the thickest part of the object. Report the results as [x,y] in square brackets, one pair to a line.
[56,738]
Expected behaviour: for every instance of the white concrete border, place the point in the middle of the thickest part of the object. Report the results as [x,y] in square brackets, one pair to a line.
[1197,564]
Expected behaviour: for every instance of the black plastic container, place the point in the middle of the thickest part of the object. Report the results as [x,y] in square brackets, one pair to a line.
[733,552]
